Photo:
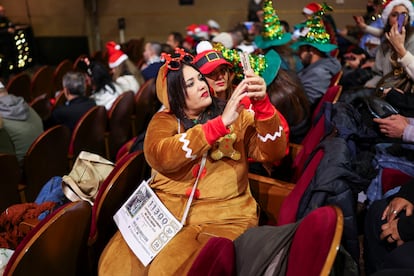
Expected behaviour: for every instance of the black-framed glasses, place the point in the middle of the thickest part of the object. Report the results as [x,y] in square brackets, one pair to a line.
[174,60]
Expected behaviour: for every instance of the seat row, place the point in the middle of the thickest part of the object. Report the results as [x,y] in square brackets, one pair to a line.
[55,247]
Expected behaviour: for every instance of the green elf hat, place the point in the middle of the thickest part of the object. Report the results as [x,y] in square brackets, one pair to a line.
[273,62]
[314,33]
[273,33]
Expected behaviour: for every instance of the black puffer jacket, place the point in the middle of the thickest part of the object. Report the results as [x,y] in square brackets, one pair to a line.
[333,185]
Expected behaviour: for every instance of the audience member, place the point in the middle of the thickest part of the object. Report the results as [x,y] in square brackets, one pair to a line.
[357,69]
[152,57]
[274,37]
[395,47]
[124,71]
[287,94]
[104,89]
[255,10]
[319,66]
[166,48]
[371,18]
[175,40]
[241,37]
[76,105]
[389,233]
[213,28]
[216,69]
[190,127]
[20,121]
[6,144]
[397,126]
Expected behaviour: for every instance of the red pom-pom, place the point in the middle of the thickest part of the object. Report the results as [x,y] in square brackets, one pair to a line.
[196,168]
[196,193]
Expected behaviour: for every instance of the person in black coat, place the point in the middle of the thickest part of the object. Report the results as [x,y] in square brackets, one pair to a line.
[76,105]
[389,232]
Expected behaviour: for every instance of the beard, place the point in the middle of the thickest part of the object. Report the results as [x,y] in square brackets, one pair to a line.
[306,60]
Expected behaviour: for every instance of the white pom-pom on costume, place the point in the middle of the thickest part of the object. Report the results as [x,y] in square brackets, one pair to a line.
[117,47]
[203,46]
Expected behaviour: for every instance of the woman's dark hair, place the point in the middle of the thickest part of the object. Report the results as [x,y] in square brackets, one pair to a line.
[177,93]
[288,96]
[100,76]
[286,53]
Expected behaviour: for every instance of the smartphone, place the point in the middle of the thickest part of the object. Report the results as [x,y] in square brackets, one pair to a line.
[401,21]
[244,59]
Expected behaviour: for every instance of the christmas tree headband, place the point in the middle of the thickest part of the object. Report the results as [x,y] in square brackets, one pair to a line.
[273,33]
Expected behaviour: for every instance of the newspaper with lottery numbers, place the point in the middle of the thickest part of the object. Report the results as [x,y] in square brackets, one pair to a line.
[145,223]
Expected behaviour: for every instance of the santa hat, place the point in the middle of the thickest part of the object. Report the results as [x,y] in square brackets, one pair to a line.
[311,8]
[115,54]
[273,33]
[390,4]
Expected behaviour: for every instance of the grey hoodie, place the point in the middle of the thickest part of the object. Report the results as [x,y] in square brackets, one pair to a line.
[21,122]
[316,77]
[13,108]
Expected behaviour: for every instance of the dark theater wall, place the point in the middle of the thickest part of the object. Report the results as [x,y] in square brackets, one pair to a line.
[97,20]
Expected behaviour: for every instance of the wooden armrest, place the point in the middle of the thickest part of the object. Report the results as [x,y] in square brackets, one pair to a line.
[21,190]
[27,225]
[269,193]
[294,149]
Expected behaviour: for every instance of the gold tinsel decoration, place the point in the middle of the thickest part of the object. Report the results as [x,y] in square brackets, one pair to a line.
[257,62]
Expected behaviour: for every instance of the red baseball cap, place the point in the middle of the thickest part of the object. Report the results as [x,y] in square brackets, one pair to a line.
[207,61]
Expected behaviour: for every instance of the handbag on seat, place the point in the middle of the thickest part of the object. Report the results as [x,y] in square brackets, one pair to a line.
[86,176]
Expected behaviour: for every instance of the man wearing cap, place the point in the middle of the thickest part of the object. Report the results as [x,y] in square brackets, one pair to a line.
[319,66]
[20,121]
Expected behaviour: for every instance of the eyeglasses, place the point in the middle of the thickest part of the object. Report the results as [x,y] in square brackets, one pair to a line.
[174,60]
[396,14]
